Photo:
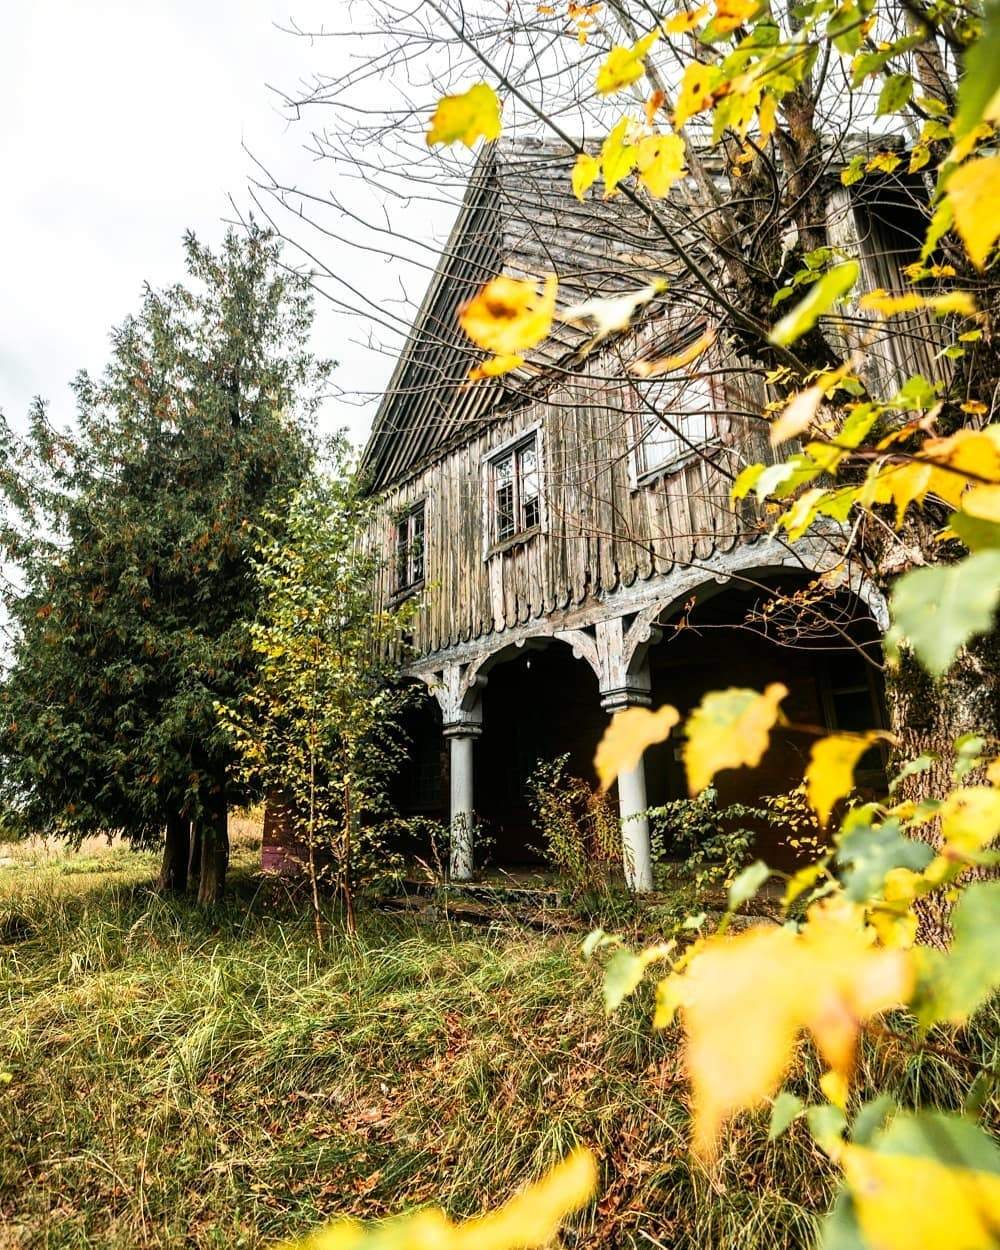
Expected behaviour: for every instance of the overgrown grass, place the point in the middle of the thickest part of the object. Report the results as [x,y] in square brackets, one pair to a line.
[184,1081]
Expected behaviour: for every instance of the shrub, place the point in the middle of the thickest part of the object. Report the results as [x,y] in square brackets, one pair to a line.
[579,827]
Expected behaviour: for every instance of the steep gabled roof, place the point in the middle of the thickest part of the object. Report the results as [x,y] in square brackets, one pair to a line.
[519,216]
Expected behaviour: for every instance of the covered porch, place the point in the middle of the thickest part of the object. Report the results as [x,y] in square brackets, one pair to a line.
[548,694]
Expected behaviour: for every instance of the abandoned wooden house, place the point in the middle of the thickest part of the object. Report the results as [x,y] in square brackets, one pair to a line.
[568,527]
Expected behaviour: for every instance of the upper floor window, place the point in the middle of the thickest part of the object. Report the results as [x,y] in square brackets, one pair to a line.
[512,496]
[671,418]
[409,548]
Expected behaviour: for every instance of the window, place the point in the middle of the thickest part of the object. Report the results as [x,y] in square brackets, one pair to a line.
[410,548]
[851,704]
[513,504]
[688,405]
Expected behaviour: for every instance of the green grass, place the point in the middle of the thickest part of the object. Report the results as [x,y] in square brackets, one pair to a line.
[178,1080]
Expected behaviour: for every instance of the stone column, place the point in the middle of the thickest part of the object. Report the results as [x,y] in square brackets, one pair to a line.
[461,738]
[635,829]
[458,691]
[636,852]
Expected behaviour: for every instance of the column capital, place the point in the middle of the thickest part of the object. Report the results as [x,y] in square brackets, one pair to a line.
[635,694]
[469,728]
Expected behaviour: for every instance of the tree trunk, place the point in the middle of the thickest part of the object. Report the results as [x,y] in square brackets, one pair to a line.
[214,852]
[173,878]
[194,856]
[927,717]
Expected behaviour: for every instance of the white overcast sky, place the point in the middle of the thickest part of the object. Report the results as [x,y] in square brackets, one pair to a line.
[122,124]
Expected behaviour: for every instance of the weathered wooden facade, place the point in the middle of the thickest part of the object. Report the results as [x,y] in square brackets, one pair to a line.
[572,513]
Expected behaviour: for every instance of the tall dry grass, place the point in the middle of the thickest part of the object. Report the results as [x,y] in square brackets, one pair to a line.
[187,1080]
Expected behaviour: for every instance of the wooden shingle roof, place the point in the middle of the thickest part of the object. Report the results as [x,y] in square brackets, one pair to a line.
[520,217]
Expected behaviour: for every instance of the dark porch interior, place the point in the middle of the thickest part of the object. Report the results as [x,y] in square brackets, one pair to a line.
[543,703]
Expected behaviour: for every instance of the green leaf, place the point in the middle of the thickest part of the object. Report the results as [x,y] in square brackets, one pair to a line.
[977,533]
[968,749]
[936,610]
[979,1091]
[854,170]
[896,93]
[595,940]
[840,1231]
[980,82]
[871,62]
[748,883]
[870,1118]
[621,976]
[818,257]
[785,1108]
[953,1140]
[822,296]
[911,768]
[955,982]
[871,853]
[939,226]
[826,1123]
[916,392]
[855,429]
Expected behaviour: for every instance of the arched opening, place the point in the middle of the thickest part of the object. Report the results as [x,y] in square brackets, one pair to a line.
[418,787]
[537,705]
[762,627]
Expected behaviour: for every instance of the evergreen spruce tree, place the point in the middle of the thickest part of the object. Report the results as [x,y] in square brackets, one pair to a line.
[132,536]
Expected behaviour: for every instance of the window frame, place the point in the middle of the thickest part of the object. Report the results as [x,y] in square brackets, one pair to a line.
[640,424]
[405,556]
[511,449]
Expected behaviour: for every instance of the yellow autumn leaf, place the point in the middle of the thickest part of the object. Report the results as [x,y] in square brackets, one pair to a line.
[909,1202]
[509,315]
[973,192]
[962,303]
[889,305]
[835,1087]
[628,735]
[745,999]
[830,772]
[660,162]
[652,106]
[584,174]
[801,410]
[582,16]
[464,118]
[684,21]
[976,452]
[767,116]
[494,367]
[624,66]
[677,360]
[732,13]
[801,881]
[728,729]
[618,156]
[697,91]
[993,772]
[903,484]
[529,1221]
[802,513]
[884,163]
[970,820]
[982,502]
